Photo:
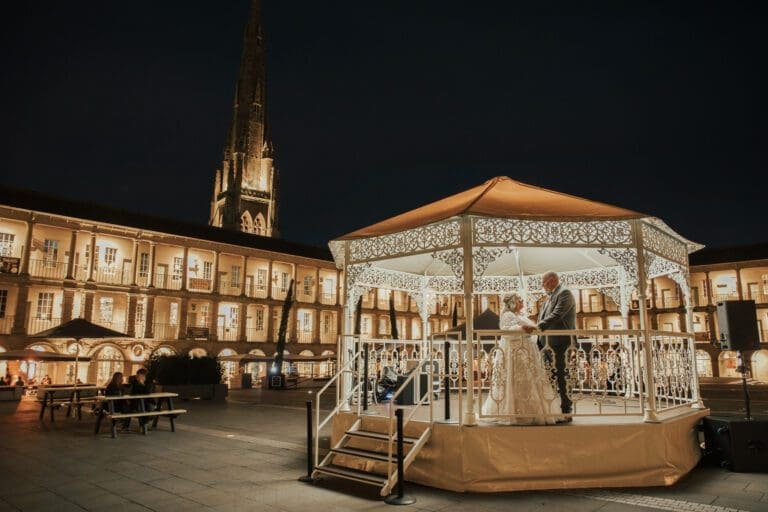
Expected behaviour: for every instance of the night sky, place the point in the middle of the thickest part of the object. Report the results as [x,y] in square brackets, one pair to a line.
[378,107]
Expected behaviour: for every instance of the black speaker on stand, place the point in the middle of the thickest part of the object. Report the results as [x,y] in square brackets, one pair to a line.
[741,443]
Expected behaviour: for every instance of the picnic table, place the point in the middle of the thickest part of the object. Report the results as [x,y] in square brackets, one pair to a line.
[55,397]
[143,415]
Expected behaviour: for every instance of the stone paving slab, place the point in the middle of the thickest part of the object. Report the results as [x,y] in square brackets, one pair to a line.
[247,456]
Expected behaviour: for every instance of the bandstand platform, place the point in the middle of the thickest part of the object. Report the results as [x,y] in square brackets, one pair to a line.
[592,451]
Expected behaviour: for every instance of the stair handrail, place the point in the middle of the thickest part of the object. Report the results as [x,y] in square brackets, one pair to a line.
[428,357]
[341,400]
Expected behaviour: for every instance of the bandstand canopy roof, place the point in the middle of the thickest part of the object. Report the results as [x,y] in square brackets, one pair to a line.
[500,197]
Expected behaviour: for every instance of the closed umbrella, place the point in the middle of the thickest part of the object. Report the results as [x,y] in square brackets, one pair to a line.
[78,329]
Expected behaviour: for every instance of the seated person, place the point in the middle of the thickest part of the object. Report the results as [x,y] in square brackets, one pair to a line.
[19,382]
[141,386]
[115,388]
[46,381]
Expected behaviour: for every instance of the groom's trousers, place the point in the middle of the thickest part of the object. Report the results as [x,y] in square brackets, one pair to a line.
[559,346]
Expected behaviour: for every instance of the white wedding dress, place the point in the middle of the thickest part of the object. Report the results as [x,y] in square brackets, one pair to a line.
[519,383]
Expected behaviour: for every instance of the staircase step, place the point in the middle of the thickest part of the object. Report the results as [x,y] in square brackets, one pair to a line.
[375,435]
[363,454]
[353,474]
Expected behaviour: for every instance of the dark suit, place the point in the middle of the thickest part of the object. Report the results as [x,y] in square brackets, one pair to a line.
[559,313]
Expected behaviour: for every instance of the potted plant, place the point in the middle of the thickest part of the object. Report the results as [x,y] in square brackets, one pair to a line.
[197,377]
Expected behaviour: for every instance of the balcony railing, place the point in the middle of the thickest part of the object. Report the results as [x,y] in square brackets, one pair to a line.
[258,291]
[279,293]
[140,329]
[328,337]
[305,296]
[48,269]
[328,298]
[228,333]
[760,298]
[39,324]
[304,336]
[229,288]
[162,331]
[665,302]
[6,324]
[254,334]
[111,275]
[717,297]
[199,284]
[594,307]
[168,282]
[142,279]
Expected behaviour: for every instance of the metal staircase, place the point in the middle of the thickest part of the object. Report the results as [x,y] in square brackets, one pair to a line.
[369,457]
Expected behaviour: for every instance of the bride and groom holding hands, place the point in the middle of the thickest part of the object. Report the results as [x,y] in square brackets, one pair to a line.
[528,395]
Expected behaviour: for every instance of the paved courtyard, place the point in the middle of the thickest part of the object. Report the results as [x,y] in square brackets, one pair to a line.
[247,454]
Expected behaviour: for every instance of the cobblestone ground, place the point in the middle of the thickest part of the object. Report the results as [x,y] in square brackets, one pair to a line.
[246,454]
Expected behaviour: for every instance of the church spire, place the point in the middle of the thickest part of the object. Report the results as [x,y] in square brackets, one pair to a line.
[245,197]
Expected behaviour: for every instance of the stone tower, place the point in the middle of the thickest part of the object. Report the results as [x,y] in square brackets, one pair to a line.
[245,188]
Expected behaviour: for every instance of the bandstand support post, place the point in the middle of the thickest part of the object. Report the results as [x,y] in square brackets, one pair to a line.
[470,416]
[447,379]
[649,415]
[347,342]
[310,444]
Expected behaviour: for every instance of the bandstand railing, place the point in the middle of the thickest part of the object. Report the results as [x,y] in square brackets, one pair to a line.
[608,372]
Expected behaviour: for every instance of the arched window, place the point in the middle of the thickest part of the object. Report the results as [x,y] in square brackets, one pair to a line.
[259,226]
[197,352]
[109,361]
[703,363]
[246,222]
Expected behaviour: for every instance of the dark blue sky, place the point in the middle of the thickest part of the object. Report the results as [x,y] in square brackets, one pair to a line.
[378,107]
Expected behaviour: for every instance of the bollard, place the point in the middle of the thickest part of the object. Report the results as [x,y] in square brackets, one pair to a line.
[447,379]
[310,445]
[399,498]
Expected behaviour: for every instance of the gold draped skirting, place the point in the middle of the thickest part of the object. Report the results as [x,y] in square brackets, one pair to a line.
[597,452]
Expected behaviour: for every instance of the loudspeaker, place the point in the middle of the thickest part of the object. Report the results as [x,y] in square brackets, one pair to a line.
[741,444]
[738,325]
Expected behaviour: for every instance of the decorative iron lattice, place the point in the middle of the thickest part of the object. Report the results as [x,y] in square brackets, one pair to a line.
[563,233]
[454,259]
[432,237]
[626,258]
[353,274]
[484,256]
[337,251]
[425,301]
[664,245]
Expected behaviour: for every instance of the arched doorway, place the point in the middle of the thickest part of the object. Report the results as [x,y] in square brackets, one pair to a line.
[33,371]
[306,368]
[729,364]
[328,367]
[703,363]
[257,370]
[108,361]
[230,367]
[760,365]
[197,352]
[286,364]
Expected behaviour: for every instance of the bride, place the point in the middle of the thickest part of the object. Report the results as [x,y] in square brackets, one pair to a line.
[520,386]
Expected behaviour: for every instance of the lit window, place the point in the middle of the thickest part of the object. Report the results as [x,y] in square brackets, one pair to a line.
[308,285]
[110,256]
[50,251]
[173,314]
[3,302]
[261,278]
[178,268]
[6,244]
[144,264]
[106,308]
[44,305]
[207,269]
[259,320]
[235,282]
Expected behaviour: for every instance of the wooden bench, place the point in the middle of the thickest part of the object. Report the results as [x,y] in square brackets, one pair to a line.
[108,411]
[57,397]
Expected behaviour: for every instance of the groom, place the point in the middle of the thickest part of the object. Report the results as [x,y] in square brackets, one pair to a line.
[558,313]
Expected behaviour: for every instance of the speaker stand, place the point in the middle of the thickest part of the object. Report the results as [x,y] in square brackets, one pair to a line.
[743,370]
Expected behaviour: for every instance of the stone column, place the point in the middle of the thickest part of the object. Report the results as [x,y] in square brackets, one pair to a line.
[683,321]
[338,288]
[653,294]
[27,249]
[318,290]
[268,323]
[92,257]
[88,305]
[316,325]
[67,305]
[22,311]
[654,321]
[269,280]
[151,269]
[149,323]
[213,333]
[244,275]
[131,320]
[738,284]
[183,309]
[709,288]
[185,269]
[243,320]
[291,335]
[135,263]
[215,271]
[713,337]
[71,258]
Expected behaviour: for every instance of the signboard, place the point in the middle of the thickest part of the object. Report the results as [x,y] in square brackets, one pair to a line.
[197,332]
